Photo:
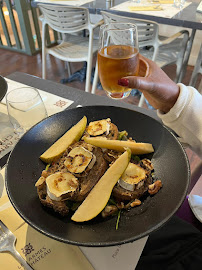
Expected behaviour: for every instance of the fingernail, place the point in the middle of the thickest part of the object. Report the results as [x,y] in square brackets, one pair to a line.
[123,82]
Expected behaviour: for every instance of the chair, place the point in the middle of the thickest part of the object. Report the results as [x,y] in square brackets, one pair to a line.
[69,21]
[197,70]
[164,51]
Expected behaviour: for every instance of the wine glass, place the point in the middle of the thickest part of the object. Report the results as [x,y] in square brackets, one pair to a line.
[118,56]
[25,108]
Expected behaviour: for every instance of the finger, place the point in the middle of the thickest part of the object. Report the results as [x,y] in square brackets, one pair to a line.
[147,60]
[143,67]
[140,83]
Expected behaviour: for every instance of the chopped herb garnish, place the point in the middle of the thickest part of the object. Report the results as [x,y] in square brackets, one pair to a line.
[135,158]
[47,166]
[118,218]
[122,135]
[111,201]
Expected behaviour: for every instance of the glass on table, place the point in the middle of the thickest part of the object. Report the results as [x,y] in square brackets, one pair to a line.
[25,108]
[136,1]
[118,56]
[179,3]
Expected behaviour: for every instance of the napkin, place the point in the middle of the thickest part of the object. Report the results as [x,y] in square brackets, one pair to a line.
[10,218]
[195,203]
[162,1]
[146,8]
[195,199]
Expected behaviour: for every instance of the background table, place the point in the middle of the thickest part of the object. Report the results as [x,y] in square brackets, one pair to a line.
[187,18]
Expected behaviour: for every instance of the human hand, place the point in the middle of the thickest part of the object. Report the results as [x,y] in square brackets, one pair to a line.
[160,91]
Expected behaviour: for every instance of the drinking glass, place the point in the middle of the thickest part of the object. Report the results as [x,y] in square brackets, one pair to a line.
[179,3]
[25,108]
[136,1]
[118,56]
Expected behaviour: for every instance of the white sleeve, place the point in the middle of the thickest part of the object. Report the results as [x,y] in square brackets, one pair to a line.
[185,118]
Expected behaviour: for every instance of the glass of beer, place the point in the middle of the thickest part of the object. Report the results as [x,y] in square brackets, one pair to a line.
[118,56]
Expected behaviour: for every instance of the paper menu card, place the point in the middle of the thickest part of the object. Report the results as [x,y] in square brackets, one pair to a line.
[162,1]
[117,257]
[168,10]
[40,251]
[102,258]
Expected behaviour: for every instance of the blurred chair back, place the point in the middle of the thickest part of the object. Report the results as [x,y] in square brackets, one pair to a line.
[65,19]
[147,30]
[197,72]
[74,47]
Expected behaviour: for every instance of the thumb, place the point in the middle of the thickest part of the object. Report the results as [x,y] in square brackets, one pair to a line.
[140,83]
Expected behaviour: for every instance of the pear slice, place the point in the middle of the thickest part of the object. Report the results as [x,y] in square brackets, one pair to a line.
[100,194]
[71,136]
[120,146]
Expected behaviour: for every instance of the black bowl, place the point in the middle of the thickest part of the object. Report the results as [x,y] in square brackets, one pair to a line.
[3,87]
[170,163]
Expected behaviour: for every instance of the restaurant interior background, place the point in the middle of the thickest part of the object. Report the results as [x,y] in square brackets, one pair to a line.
[20,29]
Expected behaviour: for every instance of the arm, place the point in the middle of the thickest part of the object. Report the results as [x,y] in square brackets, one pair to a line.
[185,118]
[179,107]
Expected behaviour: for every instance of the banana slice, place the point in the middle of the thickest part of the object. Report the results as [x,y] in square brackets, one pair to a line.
[79,159]
[132,176]
[100,127]
[59,184]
